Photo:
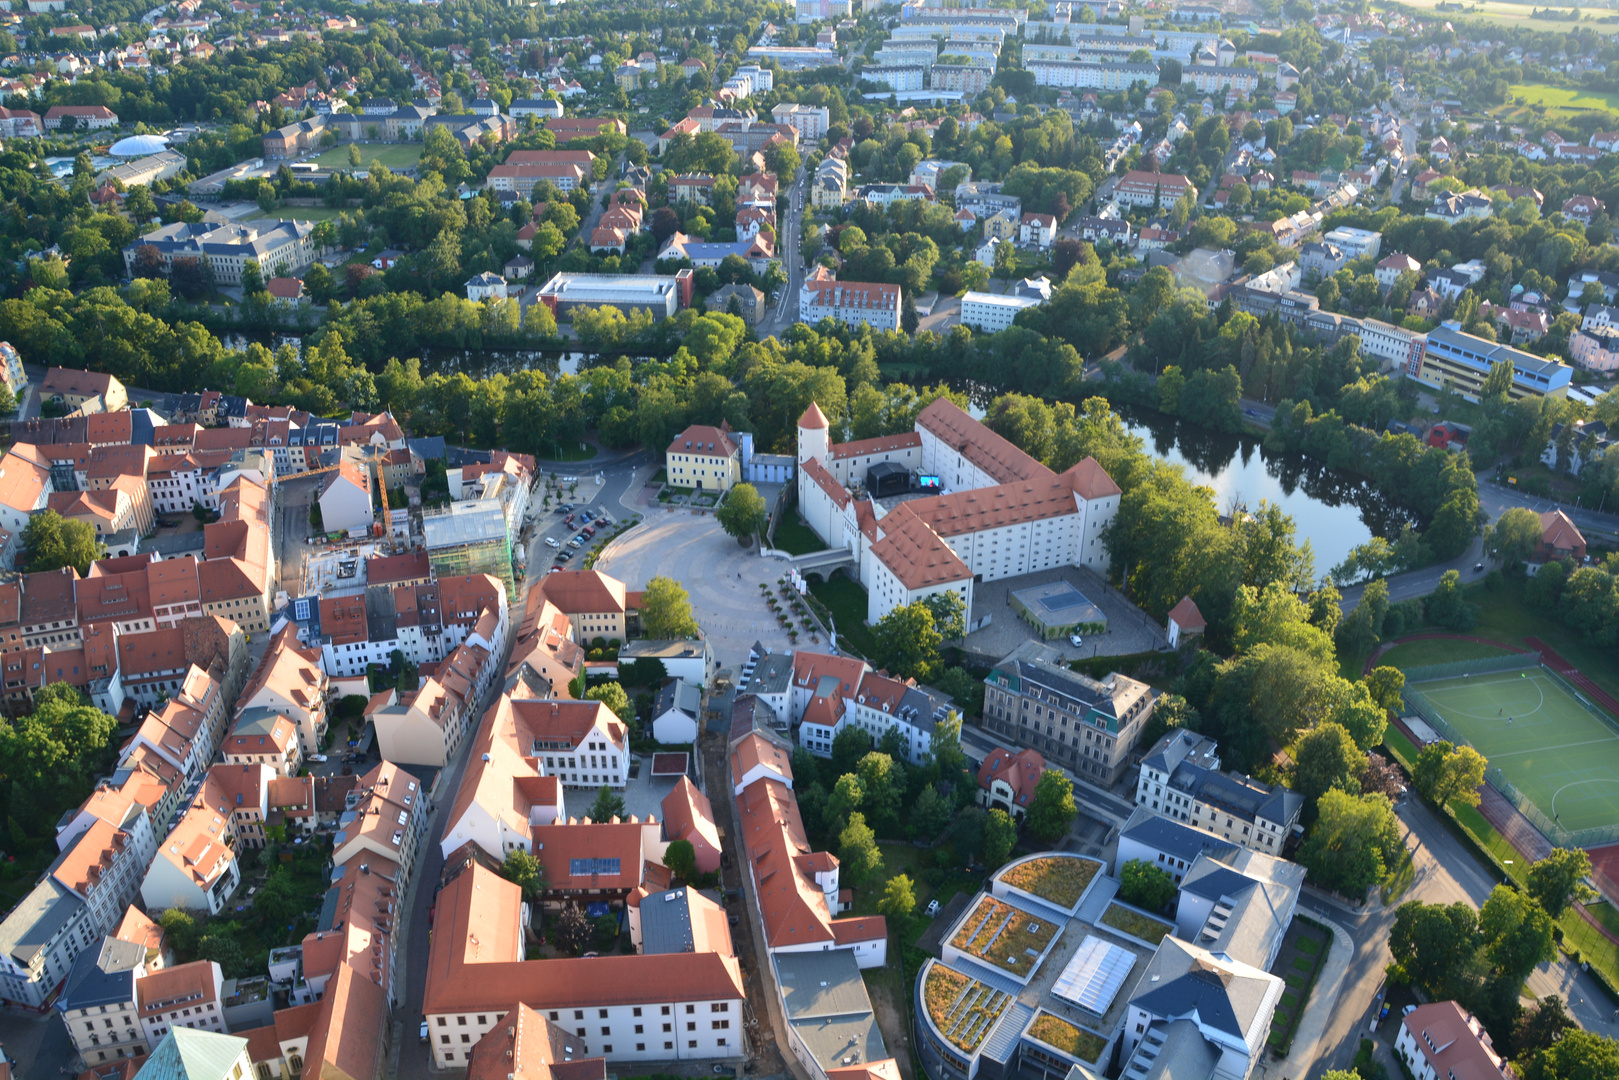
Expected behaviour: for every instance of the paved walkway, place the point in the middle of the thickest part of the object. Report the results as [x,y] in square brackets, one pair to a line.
[1328,984]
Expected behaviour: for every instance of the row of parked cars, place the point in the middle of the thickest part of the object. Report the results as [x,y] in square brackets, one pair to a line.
[588,520]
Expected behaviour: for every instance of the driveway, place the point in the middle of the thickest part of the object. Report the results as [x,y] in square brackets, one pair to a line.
[722,578]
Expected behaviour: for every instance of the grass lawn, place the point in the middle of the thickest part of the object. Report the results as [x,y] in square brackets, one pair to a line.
[1437,651]
[1606,914]
[846,600]
[1503,616]
[391,155]
[297,213]
[796,538]
[1565,98]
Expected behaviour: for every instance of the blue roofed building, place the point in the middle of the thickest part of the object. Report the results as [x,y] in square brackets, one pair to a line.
[98,1002]
[1166,844]
[1462,362]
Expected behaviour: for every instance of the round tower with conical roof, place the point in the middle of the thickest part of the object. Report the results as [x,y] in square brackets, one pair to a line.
[814,435]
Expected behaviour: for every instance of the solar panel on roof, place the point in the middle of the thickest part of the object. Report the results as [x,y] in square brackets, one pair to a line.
[1093,977]
[300,610]
[587,867]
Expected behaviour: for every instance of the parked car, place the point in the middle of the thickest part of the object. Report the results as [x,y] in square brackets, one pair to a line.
[566,508]
[589,532]
[423,1032]
[1076,641]
[551,541]
[576,543]
[568,520]
[564,556]
[319,759]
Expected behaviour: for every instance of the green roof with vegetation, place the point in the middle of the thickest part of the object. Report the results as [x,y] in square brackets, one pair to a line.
[1061,879]
[1005,937]
[962,1009]
[1056,1032]
[1137,924]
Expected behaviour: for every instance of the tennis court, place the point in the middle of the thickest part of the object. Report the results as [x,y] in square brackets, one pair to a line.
[1559,753]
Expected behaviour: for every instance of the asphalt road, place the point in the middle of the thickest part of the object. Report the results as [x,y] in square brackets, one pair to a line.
[792,236]
[1445,873]
[619,478]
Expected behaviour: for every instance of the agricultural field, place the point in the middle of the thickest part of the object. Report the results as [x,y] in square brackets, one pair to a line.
[1563,100]
[1500,13]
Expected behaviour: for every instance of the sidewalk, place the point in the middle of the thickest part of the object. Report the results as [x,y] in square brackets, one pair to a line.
[1324,999]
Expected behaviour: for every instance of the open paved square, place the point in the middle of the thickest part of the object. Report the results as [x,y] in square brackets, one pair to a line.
[722,578]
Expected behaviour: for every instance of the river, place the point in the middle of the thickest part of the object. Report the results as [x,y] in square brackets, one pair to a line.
[1333,510]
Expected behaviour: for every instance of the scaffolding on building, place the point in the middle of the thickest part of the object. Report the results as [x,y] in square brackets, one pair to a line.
[470,538]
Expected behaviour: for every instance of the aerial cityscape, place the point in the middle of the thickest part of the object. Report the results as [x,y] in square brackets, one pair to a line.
[809,540]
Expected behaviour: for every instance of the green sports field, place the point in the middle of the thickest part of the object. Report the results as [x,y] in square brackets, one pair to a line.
[1557,752]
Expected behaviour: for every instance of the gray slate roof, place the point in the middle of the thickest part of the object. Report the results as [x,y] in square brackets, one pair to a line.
[103,976]
[1188,981]
[1173,838]
[37,919]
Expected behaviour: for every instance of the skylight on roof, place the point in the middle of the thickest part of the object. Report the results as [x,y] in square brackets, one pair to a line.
[1093,977]
[588,867]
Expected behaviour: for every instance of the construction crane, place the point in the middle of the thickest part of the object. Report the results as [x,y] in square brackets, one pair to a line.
[306,472]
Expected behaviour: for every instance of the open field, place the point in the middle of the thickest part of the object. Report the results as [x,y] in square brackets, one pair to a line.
[392,155]
[296,213]
[1500,13]
[1564,98]
[1561,756]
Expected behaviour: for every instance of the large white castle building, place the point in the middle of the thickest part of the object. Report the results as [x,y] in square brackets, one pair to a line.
[946,505]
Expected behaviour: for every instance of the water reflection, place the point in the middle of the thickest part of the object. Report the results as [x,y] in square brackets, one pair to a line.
[1333,510]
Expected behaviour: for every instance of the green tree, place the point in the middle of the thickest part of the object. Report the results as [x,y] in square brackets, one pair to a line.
[1327,758]
[1517,932]
[252,278]
[1445,773]
[743,514]
[949,614]
[1578,1055]
[858,853]
[1052,811]
[681,859]
[848,747]
[930,813]
[882,783]
[1000,834]
[182,932]
[1513,538]
[609,804]
[1434,946]
[1385,684]
[53,542]
[615,698]
[1498,383]
[1146,885]
[1356,838]
[1560,878]
[354,155]
[847,796]
[1539,1027]
[899,897]
[525,870]
[666,611]
[908,642]
[967,834]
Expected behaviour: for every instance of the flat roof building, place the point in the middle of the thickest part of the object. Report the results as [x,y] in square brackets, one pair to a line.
[1462,362]
[660,294]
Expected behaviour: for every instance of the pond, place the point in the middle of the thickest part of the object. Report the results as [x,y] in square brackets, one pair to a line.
[1333,510]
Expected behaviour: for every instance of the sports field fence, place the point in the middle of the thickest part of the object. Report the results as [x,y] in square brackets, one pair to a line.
[1416,705]
[1609,721]
[1482,665]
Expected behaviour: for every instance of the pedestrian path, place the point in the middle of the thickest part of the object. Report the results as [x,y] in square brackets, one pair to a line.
[1328,984]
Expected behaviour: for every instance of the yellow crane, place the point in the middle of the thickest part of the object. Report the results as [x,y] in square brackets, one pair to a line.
[301,475]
